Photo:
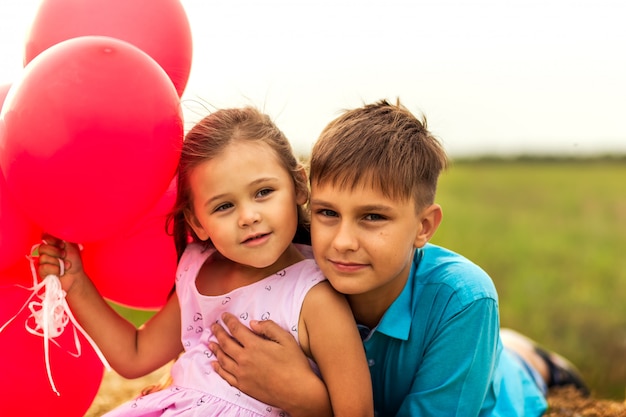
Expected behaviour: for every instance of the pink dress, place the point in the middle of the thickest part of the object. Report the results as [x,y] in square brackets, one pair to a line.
[197,390]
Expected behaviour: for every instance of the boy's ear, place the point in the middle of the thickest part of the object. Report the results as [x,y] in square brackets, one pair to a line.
[430,220]
[302,192]
[192,221]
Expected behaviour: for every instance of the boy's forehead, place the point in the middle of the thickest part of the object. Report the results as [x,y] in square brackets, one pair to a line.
[358,189]
[358,182]
[364,191]
[345,185]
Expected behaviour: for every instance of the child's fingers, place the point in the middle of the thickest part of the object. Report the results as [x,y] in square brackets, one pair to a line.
[50,250]
[52,240]
[51,254]
[223,363]
[49,265]
[271,331]
[53,246]
[45,259]
[45,270]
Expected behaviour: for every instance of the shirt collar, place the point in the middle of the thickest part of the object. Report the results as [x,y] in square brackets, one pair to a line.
[396,321]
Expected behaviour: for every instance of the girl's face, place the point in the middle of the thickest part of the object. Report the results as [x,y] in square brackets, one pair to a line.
[245,201]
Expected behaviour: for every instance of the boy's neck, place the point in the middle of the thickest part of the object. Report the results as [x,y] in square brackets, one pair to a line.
[368,308]
[367,313]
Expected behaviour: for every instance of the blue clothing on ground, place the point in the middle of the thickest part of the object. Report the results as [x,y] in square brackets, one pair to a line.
[437,349]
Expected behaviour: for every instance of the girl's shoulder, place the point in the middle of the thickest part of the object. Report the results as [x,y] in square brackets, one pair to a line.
[307,270]
[194,256]
[195,250]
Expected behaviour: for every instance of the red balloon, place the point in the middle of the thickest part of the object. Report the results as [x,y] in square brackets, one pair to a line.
[92,137]
[19,273]
[4,89]
[25,388]
[136,269]
[158,27]
[17,233]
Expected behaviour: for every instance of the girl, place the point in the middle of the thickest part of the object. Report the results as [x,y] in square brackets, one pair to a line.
[239,205]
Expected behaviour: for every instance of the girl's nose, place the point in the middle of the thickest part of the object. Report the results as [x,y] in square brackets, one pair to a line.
[248,216]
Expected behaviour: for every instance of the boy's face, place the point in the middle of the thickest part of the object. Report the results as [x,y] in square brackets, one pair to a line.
[362,240]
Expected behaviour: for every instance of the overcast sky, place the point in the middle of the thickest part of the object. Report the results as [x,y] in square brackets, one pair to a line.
[491,76]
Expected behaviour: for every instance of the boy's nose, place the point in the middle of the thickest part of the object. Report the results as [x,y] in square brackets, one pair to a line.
[345,238]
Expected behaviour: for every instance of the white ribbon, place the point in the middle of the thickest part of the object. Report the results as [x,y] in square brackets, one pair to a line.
[50,314]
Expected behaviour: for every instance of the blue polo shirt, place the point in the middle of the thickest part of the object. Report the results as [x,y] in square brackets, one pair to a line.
[437,350]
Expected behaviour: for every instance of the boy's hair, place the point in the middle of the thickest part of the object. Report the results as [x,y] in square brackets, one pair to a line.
[381,145]
[208,139]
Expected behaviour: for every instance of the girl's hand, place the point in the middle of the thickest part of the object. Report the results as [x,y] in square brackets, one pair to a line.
[54,251]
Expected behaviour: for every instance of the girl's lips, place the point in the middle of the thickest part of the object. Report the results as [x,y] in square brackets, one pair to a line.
[256,239]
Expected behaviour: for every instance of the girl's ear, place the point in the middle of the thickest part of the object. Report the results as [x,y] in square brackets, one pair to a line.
[430,220]
[193,222]
[302,190]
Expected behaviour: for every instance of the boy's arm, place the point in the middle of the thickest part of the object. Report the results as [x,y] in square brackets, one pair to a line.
[336,347]
[268,365]
[458,366]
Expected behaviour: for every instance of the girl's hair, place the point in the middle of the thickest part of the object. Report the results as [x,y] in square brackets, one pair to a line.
[382,145]
[207,140]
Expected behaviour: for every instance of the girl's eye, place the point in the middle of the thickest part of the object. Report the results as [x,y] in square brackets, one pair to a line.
[264,192]
[223,207]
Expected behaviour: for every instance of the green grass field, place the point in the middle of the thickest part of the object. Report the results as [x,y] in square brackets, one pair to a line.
[552,234]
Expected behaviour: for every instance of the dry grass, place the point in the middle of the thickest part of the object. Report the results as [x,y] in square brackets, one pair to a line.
[116,390]
[567,402]
[564,402]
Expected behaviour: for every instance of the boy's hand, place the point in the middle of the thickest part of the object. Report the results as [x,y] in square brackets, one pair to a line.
[53,251]
[265,363]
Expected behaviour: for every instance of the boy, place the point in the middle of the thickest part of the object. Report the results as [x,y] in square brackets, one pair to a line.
[428,316]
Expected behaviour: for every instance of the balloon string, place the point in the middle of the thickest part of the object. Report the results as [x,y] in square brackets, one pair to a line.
[51,315]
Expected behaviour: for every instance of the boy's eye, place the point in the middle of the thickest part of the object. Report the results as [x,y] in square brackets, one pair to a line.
[327,213]
[374,217]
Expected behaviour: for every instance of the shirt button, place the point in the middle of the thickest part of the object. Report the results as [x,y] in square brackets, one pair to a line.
[371,362]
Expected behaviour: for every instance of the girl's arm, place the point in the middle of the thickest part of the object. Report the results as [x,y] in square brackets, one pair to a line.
[336,347]
[130,351]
